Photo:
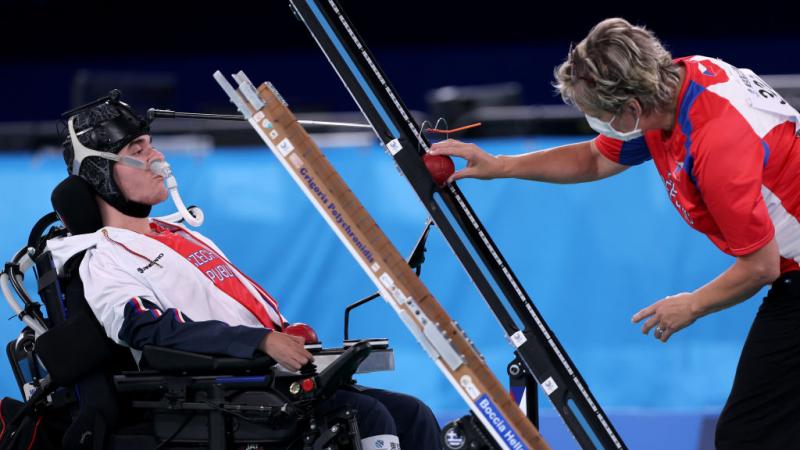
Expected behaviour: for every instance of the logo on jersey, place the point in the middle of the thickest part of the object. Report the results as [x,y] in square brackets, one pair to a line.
[670,183]
[153,262]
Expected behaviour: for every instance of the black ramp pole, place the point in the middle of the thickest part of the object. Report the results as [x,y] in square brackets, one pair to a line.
[536,345]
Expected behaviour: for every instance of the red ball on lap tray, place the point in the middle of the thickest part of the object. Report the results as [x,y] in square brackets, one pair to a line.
[304,331]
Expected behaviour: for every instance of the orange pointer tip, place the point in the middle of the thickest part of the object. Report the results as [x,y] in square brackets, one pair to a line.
[454,130]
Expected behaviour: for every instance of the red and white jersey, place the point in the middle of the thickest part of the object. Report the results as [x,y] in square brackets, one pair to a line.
[215,267]
[731,164]
[121,265]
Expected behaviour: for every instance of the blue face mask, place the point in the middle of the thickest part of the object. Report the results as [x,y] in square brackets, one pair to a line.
[606,129]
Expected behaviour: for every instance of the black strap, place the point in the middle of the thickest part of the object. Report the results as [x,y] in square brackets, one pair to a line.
[46,280]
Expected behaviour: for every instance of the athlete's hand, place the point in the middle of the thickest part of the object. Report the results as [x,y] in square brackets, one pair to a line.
[480,164]
[286,349]
[668,315]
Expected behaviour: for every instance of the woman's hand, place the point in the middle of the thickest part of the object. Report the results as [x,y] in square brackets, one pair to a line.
[480,164]
[668,316]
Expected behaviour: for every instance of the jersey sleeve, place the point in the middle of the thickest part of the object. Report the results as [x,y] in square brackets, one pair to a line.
[629,153]
[727,167]
[144,323]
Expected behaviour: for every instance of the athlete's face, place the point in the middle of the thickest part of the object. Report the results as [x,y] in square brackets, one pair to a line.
[141,186]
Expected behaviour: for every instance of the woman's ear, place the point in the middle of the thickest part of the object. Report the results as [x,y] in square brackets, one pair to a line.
[635,107]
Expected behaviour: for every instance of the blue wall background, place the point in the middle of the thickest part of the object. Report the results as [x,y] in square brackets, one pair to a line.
[590,255]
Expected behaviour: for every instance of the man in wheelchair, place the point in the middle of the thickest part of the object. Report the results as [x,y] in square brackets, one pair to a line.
[172,297]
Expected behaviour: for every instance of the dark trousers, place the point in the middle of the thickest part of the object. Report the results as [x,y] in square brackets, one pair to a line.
[384,412]
[763,409]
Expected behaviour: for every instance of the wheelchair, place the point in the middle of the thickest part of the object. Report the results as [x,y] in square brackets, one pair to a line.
[91,393]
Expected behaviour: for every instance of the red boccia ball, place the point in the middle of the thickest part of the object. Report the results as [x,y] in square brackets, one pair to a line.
[440,167]
[304,331]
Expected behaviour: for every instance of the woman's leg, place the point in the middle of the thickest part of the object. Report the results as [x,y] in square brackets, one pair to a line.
[763,409]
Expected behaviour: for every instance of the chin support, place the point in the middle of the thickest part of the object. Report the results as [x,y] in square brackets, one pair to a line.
[163,169]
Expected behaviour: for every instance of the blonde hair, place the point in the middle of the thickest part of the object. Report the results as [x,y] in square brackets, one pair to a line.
[614,63]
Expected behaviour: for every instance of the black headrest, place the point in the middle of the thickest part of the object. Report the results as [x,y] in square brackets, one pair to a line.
[74,201]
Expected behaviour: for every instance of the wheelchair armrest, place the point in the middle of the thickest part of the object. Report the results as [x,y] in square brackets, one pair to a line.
[342,369]
[165,359]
